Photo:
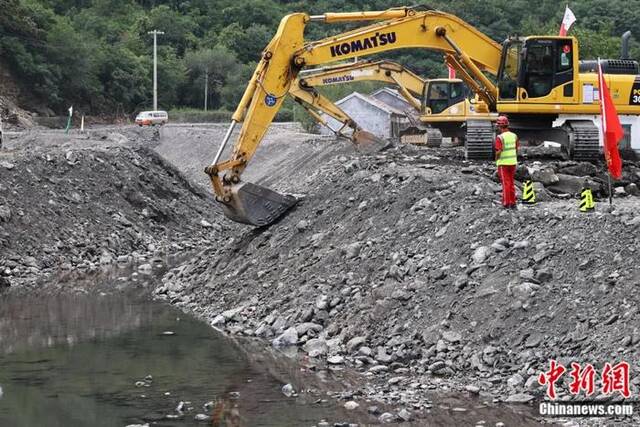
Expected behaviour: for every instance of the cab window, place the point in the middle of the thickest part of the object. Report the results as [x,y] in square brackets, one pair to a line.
[565,56]
[548,64]
[438,97]
[564,67]
[539,68]
[508,79]
[457,91]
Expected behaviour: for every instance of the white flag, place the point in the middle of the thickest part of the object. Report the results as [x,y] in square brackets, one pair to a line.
[70,111]
[567,21]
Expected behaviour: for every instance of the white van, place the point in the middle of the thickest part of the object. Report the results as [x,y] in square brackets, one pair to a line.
[152,118]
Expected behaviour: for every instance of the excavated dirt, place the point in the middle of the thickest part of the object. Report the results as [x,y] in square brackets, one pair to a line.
[399,265]
[403,266]
[90,200]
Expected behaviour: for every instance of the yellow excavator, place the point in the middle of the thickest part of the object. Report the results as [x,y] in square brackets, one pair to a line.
[441,107]
[539,80]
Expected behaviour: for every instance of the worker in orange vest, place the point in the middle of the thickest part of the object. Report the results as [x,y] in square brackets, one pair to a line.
[506,148]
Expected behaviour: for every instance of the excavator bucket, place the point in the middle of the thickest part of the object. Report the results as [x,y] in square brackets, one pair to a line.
[256,205]
[367,142]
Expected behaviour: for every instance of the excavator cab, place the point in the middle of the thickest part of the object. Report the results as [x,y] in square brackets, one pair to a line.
[441,94]
[536,68]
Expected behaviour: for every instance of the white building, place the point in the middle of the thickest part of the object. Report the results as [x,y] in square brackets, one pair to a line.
[393,98]
[371,114]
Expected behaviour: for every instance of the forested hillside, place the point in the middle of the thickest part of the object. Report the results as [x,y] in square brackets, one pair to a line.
[97,54]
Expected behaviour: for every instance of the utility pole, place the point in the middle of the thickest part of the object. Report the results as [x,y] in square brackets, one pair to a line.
[206,87]
[155,67]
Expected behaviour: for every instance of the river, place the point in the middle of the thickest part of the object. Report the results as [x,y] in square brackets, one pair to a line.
[97,351]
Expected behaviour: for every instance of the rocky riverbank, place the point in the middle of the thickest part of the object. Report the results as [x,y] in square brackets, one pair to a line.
[402,266]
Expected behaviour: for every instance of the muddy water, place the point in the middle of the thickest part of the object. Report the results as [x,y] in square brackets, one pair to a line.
[95,351]
[75,361]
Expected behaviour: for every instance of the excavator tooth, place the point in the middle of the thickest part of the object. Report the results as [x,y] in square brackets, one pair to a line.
[256,205]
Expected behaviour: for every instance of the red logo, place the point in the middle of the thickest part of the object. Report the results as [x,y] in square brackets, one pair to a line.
[551,377]
[616,378]
[583,378]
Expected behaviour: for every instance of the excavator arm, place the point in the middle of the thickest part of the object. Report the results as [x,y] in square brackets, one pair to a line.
[287,54]
[412,87]
[430,29]
[316,104]
[303,90]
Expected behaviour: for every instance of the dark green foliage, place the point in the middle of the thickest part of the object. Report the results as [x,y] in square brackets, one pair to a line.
[192,115]
[97,55]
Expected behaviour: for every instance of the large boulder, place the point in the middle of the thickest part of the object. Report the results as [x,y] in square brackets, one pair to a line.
[567,184]
[481,254]
[523,291]
[542,152]
[5,213]
[316,347]
[579,169]
[287,338]
[545,176]
[522,173]
[632,189]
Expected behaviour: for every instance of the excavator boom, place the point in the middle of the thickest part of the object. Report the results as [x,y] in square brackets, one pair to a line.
[409,85]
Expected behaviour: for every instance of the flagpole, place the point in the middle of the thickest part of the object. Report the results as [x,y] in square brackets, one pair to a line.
[604,126]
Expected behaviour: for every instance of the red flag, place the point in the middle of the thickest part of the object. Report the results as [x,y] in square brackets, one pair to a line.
[452,72]
[567,21]
[612,131]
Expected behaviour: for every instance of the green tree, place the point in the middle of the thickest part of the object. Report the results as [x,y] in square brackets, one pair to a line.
[247,43]
[236,82]
[97,54]
[125,78]
[218,64]
[178,28]
[252,12]
[172,75]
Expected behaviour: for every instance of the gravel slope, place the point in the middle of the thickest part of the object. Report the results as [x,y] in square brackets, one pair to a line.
[86,201]
[403,266]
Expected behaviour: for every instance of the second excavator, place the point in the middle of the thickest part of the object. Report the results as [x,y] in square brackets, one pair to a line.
[441,107]
[539,80]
